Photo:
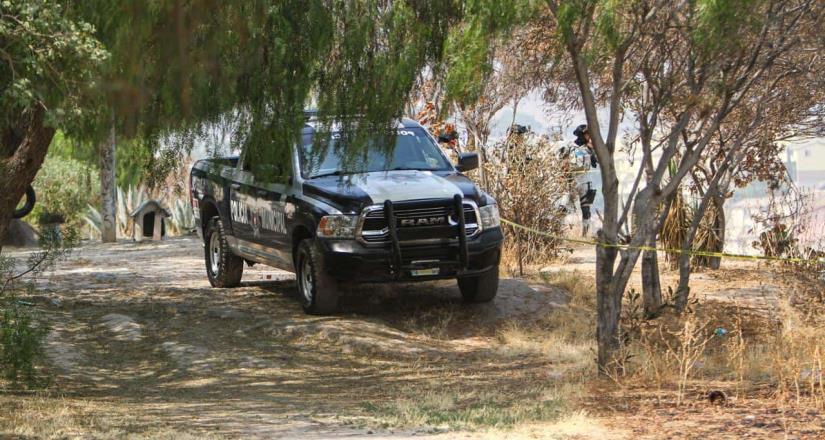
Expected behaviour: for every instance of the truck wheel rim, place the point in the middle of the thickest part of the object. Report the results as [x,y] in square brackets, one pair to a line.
[214,252]
[306,280]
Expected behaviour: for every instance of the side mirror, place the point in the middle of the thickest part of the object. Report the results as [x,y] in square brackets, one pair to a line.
[467,161]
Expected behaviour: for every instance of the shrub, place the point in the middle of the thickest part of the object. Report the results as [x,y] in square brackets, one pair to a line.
[64,187]
[21,335]
[531,186]
[21,343]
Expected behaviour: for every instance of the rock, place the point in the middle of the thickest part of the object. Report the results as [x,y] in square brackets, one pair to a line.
[20,234]
[65,356]
[123,327]
[105,277]
[187,356]
[57,302]
[257,326]
[226,313]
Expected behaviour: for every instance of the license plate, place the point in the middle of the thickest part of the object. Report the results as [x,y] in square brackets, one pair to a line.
[424,272]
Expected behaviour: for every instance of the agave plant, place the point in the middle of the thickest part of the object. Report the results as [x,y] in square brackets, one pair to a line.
[93,219]
[127,202]
[675,228]
[182,221]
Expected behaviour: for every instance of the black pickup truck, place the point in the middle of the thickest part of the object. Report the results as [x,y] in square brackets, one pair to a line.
[401,214]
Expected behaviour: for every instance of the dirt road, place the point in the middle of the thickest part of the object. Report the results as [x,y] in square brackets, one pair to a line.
[140,344]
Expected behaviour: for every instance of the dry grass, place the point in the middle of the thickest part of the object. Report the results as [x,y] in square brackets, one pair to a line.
[563,341]
[750,357]
[771,360]
[439,410]
[46,416]
[566,336]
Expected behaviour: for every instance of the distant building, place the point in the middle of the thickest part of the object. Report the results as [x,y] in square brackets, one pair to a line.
[806,163]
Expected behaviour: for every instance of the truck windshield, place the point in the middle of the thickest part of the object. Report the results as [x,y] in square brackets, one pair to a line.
[413,150]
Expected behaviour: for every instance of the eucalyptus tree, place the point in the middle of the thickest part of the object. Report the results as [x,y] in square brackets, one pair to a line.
[747,147]
[677,69]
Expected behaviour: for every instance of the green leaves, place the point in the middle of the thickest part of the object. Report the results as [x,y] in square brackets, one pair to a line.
[719,24]
[47,60]
[21,343]
[468,58]
[178,71]
[569,14]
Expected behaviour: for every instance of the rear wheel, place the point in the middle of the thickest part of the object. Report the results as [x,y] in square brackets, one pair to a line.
[480,288]
[223,268]
[317,290]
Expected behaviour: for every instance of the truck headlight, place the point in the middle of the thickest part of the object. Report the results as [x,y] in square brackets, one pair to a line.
[337,226]
[489,216]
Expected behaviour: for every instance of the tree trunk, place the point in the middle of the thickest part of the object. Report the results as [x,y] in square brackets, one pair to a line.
[519,254]
[651,285]
[108,189]
[683,289]
[20,159]
[481,160]
[719,225]
[608,306]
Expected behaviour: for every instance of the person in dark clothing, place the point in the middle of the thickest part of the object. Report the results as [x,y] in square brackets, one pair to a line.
[583,162]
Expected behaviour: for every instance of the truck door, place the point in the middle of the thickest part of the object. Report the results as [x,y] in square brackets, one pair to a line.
[240,201]
[258,198]
[270,231]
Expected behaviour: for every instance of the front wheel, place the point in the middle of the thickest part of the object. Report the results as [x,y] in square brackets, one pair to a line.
[480,288]
[317,289]
[223,268]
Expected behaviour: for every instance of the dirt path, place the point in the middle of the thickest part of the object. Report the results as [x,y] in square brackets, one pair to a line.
[140,346]
[745,283]
[139,339]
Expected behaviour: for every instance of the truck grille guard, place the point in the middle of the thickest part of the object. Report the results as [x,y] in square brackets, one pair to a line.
[396,261]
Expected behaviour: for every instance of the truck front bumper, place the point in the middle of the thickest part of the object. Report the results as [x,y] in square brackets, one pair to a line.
[351,260]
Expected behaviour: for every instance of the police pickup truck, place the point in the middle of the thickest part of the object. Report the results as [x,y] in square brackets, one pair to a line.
[401,214]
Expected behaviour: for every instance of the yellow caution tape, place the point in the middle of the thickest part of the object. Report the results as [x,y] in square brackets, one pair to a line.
[656,249]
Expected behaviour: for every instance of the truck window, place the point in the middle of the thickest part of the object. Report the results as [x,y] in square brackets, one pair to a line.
[267,171]
[413,150]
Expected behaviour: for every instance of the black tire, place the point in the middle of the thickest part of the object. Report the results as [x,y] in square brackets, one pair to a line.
[480,288]
[228,268]
[317,290]
[28,206]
